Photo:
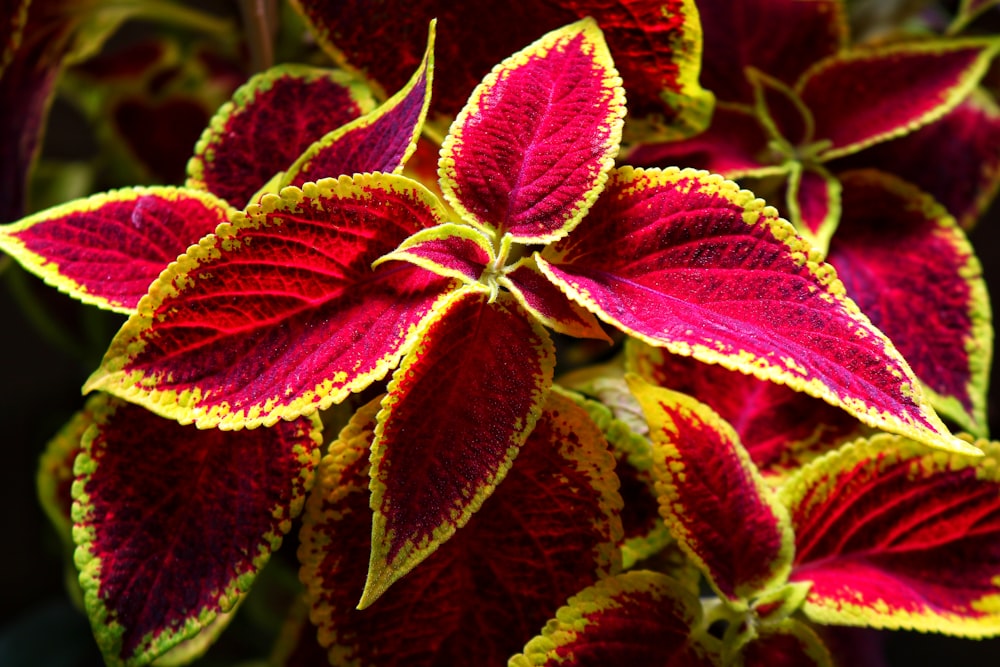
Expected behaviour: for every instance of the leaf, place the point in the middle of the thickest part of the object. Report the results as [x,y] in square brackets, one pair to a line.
[952,158]
[143,533]
[688,262]
[893,535]
[918,83]
[790,643]
[107,249]
[547,303]
[382,140]
[270,121]
[781,38]
[55,472]
[712,497]
[482,594]
[15,16]
[458,411]
[531,150]
[636,618]
[937,310]
[814,204]
[779,427]
[657,44]
[452,250]
[279,313]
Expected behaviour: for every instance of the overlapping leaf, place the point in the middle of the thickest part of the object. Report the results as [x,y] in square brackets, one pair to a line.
[790,643]
[937,311]
[279,313]
[172,523]
[547,304]
[636,618]
[712,497]
[530,151]
[814,203]
[918,83]
[106,250]
[458,411]
[548,531]
[270,121]
[779,427]
[892,535]
[380,141]
[688,262]
[657,43]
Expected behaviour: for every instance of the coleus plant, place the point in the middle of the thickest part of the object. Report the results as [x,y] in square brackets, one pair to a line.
[318,290]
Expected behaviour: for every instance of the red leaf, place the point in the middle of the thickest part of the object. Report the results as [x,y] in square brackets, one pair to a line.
[548,304]
[106,250]
[936,311]
[788,644]
[531,149]
[486,591]
[688,262]
[863,96]
[893,535]
[779,427]
[173,523]
[712,497]
[814,204]
[280,314]
[269,122]
[458,411]
[636,618]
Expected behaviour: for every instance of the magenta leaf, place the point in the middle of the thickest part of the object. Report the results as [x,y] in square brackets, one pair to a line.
[814,203]
[173,523]
[779,427]
[687,261]
[531,150]
[892,535]
[918,83]
[636,618]
[382,140]
[548,304]
[456,251]
[458,410]
[279,313]
[936,311]
[712,497]
[485,592]
[106,250]
[243,147]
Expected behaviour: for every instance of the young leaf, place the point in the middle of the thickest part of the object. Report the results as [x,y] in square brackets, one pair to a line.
[892,535]
[173,523]
[918,83]
[936,311]
[279,313]
[549,529]
[458,411]
[107,249]
[779,427]
[636,618]
[271,119]
[686,261]
[456,251]
[814,204]
[379,141]
[531,150]
[712,498]
[790,643]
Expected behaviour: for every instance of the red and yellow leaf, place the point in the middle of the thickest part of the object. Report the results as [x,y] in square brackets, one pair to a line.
[912,270]
[636,618]
[779,427]
[270,121]
[456,251]
[814,203]
[107,249]
[531,150]
[382,140]
[279,313]
[687,261]
[790,643]
[173,523]
[893,535]
[548,531]
[712,497]
[458,411]
[917,83]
